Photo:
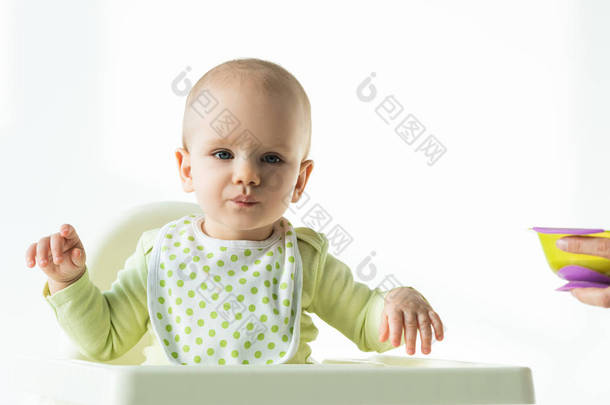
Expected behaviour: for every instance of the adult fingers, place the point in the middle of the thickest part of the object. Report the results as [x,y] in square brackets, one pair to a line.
[593,296]
[586,245]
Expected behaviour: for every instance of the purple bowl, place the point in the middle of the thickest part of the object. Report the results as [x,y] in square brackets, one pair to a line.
[575,272]
[568,231]
[581,284]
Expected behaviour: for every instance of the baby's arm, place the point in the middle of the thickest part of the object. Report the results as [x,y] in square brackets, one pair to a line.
[105,325]
[349,306]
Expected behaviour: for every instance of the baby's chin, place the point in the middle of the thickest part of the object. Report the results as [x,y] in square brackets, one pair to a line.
[244,220]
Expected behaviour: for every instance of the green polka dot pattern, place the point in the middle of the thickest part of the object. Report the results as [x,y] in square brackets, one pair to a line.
[227,302]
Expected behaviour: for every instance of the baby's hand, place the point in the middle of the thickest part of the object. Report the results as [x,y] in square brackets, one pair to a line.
[404,306]
[61,256]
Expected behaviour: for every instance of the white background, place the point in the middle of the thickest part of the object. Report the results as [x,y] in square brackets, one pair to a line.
[514,90]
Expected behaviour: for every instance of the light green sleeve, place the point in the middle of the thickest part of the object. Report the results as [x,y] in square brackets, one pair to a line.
[349,306]
[105,325]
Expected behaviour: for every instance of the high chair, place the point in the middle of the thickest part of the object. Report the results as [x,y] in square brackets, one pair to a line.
[71,378]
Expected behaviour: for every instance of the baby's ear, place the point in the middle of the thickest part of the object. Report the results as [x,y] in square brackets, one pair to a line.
[304,172]
[184,169]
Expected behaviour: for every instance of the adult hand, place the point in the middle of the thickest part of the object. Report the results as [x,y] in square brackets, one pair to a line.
[594,246]
[593,296]
[586,245]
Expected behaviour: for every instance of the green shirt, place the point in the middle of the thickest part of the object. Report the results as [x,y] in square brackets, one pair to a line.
[105,325]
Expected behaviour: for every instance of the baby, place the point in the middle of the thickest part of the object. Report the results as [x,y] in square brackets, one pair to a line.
[232,285]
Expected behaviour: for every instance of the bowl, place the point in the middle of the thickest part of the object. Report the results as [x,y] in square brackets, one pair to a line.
[558,259]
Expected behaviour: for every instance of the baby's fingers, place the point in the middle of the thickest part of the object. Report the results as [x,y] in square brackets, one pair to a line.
[396,322]
[57,247]
[383,328]
[42,252]
[68,232]
[438,325]
[425,331]
[410,331]
[30,255]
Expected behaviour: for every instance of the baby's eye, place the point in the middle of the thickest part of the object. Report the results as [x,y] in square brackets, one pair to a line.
[274,156]
[221,151]
[278,160]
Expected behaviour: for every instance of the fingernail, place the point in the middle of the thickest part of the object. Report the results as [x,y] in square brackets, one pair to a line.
[562,244]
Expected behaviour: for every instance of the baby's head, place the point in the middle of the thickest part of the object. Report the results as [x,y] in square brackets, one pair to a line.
[246,131]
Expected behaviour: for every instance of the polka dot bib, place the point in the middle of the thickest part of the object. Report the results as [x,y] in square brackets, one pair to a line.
[216,302]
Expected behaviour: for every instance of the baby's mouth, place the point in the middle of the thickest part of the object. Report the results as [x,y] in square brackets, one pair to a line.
[244,204]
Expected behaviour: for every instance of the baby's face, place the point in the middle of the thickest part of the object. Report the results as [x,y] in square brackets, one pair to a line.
[263,163]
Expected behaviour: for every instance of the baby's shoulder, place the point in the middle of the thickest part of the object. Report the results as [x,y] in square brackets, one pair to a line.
[147,239]
[309,239]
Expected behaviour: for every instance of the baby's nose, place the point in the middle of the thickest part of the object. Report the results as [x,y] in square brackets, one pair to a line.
[246,172]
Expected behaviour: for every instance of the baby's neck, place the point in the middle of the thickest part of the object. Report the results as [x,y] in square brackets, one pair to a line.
[219,231]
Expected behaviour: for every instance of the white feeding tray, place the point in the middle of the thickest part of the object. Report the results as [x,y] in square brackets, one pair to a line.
[376,380]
